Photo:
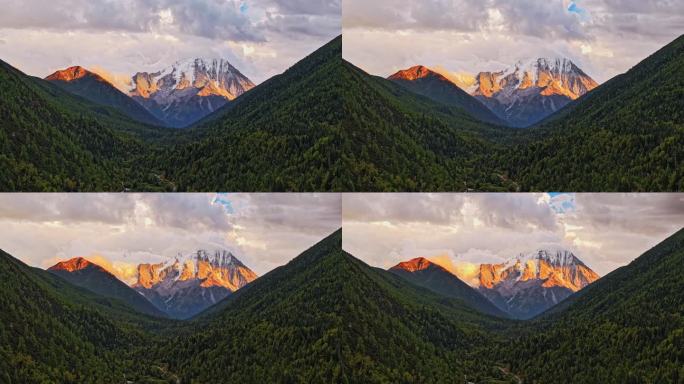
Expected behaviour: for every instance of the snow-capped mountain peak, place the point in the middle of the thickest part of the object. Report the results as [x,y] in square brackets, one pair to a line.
[188,283]
[218,268]
[189,89]
[529,283]
[529,90]
[202,74]
[556,257]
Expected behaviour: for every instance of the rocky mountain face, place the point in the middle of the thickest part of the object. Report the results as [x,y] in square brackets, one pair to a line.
[76,264]
[85,274]
[91,86]
[528,284]
[435,86]
[71,74]
[189,89]
[527,92]
[186,285]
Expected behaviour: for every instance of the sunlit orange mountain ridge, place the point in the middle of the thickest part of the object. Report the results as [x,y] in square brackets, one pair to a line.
[432,84]
[74,73]
[93,277]
[75,264]
[416,72]
[188,284]
[522,286]
[519,95]
[95,88]
[428,274]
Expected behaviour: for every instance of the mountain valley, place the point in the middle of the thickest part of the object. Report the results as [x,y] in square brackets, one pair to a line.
[363,133]
[587,145]
[328,317]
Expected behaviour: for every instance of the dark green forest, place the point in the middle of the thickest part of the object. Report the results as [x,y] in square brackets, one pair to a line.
[327,317]
[325,125]
[627,327]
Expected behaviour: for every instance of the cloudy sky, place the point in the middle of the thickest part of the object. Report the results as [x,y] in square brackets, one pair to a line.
[604,230]
[118,38]
[604,37]
[118,231]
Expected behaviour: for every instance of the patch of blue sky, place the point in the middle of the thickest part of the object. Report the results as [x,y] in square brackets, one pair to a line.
[562,202]
[222,200]
[573,7]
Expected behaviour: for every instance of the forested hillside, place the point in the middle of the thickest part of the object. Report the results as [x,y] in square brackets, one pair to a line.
[52,140]
[54,332]
[398,140]
[627,327]
[284,134]
[626,135]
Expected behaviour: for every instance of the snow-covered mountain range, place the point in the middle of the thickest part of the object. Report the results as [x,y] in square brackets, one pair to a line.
[189,89]
[528,284]
[528,91]
[187,284]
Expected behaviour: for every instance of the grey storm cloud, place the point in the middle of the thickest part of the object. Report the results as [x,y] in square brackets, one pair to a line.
[188,212]
[515,212]
[546,19]
[530,17]
[398,208]
[631,213]
[512,211]
[303,212]
[309,7]
[224,19]
[264,230]
[66,208]
[606,230]
[303,25]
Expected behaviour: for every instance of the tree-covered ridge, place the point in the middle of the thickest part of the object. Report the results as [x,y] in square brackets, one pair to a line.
[627,327]
[626,135]
[54,332]
[51,140]
[282,135]
[401,333]
[398,140]
[282,328]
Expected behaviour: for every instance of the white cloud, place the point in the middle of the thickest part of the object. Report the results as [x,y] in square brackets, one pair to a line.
[263,230]
[604,230]
[128,36]
[604,37]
